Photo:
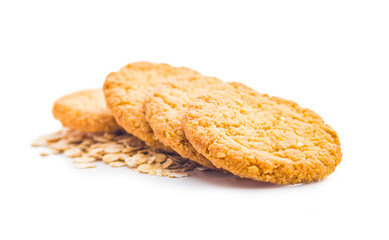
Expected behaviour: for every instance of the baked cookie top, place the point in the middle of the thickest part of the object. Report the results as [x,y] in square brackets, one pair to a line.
[85,111]
[260,137]
[166,105]
[125,92]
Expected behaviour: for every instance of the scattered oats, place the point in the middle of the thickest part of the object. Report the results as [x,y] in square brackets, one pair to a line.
[131,149]
[84,159]
[151,159]
[54,137]
[131,142]
[61,145]
[39,142]
[168,163]
[178,159]
[117,164]
[144,168]
[112,157]
[140,158]
[117,149]
[44,154]
[154,168]
[75,136]
[87,142]
[131,162]
[160,158]
[85,165]
[96,151]
[100,139]
[113,148]
[97,146]
[73,152]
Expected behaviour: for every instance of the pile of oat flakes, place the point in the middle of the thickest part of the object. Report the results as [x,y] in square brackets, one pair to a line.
[116,149]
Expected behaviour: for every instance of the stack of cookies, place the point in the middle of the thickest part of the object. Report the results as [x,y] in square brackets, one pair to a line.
[218,125]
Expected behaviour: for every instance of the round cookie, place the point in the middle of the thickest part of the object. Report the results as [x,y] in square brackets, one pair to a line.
[85,111]
[126,90]
[166,105]
[263,138]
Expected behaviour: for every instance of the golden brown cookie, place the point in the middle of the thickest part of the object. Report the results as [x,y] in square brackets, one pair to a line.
[166,105]
[85,111]
[125,92]
[263,138]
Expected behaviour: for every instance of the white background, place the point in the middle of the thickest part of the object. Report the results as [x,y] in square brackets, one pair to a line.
[330,56]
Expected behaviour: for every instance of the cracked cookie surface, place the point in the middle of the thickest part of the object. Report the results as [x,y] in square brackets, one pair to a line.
[125,92]
[85,111]
[264,138]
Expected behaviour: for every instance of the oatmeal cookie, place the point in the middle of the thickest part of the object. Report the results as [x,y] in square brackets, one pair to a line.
[85,111]
[264,138]
[125,92]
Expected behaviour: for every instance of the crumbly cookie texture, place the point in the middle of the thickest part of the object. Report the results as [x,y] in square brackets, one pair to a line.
[116,149]
[166,105]
[85,111]
[264,138]
[125,92]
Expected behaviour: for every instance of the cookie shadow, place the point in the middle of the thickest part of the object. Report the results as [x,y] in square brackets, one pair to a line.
[231,181]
